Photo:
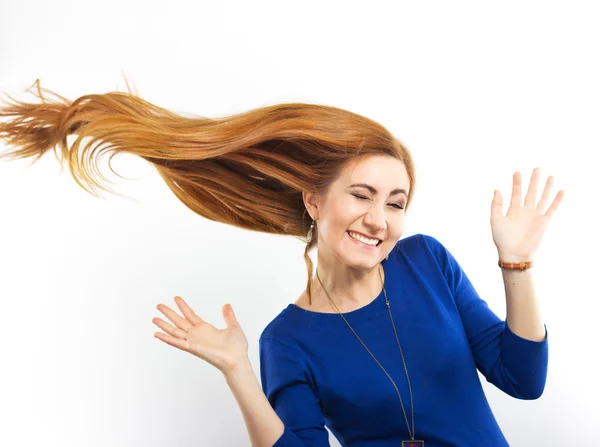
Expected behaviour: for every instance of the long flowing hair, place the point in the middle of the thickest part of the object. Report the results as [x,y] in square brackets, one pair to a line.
[246,170]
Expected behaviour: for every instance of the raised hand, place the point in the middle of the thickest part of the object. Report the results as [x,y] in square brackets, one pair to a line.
[222,348]
[518,235]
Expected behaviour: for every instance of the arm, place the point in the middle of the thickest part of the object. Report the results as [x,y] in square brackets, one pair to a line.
[287,394]
[523,313]
[263,425]
[512,363]
[290,391]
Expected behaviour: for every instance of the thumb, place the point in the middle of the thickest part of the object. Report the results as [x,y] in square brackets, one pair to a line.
[229,315]
[497,205]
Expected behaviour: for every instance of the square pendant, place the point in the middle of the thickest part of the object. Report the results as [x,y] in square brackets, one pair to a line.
[413,443]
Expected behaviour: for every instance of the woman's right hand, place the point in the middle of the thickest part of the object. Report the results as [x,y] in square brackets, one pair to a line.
[222,348]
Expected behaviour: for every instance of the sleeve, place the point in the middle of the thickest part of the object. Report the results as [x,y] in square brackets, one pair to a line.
[513,364]
[286,385]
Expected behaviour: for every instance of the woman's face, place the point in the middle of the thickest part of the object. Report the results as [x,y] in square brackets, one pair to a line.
[377,213]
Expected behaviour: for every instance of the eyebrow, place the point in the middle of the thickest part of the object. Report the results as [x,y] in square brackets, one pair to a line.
[374,191]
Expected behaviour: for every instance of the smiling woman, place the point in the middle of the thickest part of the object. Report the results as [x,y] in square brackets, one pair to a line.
[337,181]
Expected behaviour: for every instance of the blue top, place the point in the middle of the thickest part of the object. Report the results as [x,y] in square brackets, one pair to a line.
[316,373]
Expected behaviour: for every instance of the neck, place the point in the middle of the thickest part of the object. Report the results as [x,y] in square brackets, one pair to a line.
[349,288]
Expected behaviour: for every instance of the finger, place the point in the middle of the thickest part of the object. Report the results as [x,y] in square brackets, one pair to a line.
[187,311]
[170,329]
[542,203]
[554,208]
[515,199]
[496,211]
[180,322]
[176,342]
[229,315]
[533,186]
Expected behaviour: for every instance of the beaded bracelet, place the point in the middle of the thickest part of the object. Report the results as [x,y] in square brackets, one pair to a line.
[515,265]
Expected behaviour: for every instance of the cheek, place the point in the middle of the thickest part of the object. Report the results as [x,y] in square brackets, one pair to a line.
[351,210]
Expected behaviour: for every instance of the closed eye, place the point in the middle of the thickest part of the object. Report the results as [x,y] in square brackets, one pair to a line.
[395,205]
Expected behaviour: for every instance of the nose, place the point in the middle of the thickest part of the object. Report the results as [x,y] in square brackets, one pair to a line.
[375,219]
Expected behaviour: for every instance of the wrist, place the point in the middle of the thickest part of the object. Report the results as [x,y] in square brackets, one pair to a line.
[508,258]
[240,369]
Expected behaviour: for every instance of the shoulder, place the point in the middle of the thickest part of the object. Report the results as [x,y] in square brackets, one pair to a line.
[422,253]
[417,243]
[282,326]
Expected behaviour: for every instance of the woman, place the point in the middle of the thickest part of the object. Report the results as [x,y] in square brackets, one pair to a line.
[384,347]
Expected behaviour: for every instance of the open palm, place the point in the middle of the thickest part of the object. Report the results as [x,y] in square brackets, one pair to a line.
[518,235]
[222,348]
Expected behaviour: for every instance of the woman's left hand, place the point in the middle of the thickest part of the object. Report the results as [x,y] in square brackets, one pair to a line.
[518,234]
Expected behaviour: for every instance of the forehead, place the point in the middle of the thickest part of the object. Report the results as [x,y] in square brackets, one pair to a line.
[383,171]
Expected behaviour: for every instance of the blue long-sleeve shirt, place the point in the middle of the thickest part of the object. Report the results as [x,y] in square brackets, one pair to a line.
[316,373]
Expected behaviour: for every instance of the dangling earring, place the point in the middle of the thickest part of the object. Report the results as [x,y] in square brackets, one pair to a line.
[310,232]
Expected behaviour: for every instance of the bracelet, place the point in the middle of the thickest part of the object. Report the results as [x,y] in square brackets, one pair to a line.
[515,265]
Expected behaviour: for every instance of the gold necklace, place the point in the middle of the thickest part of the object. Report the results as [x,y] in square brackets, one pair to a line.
[412,442]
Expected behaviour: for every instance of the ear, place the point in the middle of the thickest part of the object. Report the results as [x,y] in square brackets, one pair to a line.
[311,200]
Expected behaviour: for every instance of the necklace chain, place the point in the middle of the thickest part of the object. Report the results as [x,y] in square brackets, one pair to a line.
[412,435]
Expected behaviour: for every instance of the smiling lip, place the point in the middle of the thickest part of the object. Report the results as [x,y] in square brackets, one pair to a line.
[367,246]
[365,235]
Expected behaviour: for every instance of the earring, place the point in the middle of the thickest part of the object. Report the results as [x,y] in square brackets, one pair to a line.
[310,232]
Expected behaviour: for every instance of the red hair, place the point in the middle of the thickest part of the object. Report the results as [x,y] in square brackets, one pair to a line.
[246,170]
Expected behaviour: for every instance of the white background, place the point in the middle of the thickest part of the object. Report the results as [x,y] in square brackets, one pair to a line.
[476,90]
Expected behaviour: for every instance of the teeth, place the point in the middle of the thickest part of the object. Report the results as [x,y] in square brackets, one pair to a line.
[360,238]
